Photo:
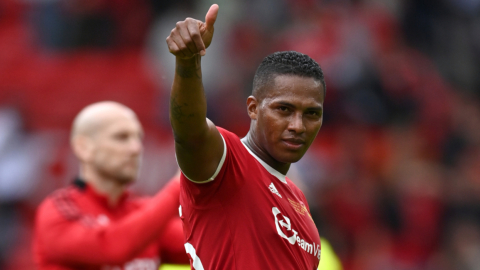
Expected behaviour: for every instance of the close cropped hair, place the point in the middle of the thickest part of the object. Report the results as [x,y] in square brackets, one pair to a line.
[286,63]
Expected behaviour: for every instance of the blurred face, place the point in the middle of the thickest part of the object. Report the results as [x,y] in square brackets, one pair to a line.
[116,149]
[289,117]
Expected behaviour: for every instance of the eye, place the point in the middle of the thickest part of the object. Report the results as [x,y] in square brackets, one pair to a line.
[283,108]
[121,136]
[314,113]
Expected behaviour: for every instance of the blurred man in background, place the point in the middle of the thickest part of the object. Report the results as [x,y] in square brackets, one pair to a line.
[95,223]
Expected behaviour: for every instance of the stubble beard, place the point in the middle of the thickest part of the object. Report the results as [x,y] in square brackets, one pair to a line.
[118,175]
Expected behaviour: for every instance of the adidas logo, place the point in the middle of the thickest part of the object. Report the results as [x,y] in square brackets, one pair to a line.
[274,190]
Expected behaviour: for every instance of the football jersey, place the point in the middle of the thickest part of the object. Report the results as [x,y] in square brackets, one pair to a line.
[249,216]
[76,228]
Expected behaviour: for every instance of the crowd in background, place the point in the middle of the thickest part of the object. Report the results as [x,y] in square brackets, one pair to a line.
[393,179]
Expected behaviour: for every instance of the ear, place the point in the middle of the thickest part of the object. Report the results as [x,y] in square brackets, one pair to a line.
[252,107]
[82,147]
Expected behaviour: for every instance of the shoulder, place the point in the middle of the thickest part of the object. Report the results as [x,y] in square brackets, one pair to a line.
[62,203]
[234,146]
[298,192]
[228,136]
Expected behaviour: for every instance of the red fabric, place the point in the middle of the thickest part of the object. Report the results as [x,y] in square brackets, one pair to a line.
[76,229]
[231,222]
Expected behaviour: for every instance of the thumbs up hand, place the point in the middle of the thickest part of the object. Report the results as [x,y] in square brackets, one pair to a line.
[191,37]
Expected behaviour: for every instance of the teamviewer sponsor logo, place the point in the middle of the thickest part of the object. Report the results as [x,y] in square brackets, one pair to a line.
[285,223]
[291,235]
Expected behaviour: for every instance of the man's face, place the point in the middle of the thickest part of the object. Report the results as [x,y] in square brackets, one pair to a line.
[289,117]
[117,148]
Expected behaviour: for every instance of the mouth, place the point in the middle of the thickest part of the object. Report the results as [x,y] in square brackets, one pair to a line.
[132,164]
[293,143]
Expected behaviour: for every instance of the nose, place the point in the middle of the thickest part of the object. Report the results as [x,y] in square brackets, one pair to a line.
[296,124]
[136,146]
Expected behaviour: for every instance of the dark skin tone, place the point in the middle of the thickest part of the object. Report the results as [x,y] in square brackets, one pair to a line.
[284,123]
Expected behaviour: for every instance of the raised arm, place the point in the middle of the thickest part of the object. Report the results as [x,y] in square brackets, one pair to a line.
[198,144]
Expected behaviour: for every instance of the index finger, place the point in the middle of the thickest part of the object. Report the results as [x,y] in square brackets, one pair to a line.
[211,16]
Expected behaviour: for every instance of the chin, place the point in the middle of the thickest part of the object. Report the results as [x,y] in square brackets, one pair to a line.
[127,178]
[289,158]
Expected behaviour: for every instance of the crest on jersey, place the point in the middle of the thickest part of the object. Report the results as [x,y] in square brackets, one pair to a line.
[299,207]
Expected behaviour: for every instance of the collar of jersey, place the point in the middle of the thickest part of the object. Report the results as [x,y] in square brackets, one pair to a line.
[267,167]
[99,198]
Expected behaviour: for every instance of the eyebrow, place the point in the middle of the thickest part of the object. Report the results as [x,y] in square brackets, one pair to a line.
[319,108]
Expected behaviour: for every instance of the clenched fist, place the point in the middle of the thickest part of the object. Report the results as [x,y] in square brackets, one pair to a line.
[191,37]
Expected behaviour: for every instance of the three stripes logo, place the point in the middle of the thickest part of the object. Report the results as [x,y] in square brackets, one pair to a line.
[274,190]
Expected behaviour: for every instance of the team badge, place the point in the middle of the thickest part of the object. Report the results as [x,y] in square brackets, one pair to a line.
[299,207]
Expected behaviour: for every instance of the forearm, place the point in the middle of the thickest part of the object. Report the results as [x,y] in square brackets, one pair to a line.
[188,105]
[137,231]
[198,144]
[172,244]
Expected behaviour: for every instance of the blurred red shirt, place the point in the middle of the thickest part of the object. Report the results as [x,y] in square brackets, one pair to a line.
[75,228]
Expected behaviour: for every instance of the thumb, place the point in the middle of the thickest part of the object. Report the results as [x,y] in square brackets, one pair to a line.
[211,17]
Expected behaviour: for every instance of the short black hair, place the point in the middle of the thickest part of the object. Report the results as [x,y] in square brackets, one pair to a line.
[286,63]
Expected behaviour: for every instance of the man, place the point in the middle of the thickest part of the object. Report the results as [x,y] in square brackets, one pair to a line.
[238,208]
[95,223]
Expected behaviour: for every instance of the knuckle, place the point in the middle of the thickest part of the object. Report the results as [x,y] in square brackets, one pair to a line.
[182,47]
[179,24]
[195,35]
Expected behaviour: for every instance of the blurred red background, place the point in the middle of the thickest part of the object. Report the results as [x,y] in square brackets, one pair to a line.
[393,179]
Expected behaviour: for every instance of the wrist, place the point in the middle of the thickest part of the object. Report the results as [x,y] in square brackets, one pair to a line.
[189,67]
[188,62]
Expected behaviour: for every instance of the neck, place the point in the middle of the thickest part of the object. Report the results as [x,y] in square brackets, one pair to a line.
[250,142]
[110,188]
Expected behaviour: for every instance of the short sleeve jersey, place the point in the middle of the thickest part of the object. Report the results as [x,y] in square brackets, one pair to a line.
[249,216]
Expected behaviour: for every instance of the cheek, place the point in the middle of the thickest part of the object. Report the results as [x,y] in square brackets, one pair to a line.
[313,130]
[101,158]
[274,128]
[106,156]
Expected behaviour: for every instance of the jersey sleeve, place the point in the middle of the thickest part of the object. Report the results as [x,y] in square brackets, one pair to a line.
[65,236]
[226,181]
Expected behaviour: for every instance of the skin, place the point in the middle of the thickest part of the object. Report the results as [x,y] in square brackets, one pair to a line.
[284,122]
[107,139]
[198,144]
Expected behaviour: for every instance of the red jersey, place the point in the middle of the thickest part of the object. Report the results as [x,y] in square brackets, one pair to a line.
[75,228]
[249,216]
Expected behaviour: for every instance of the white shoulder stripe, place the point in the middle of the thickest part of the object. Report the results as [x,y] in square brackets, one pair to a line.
[220,165]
